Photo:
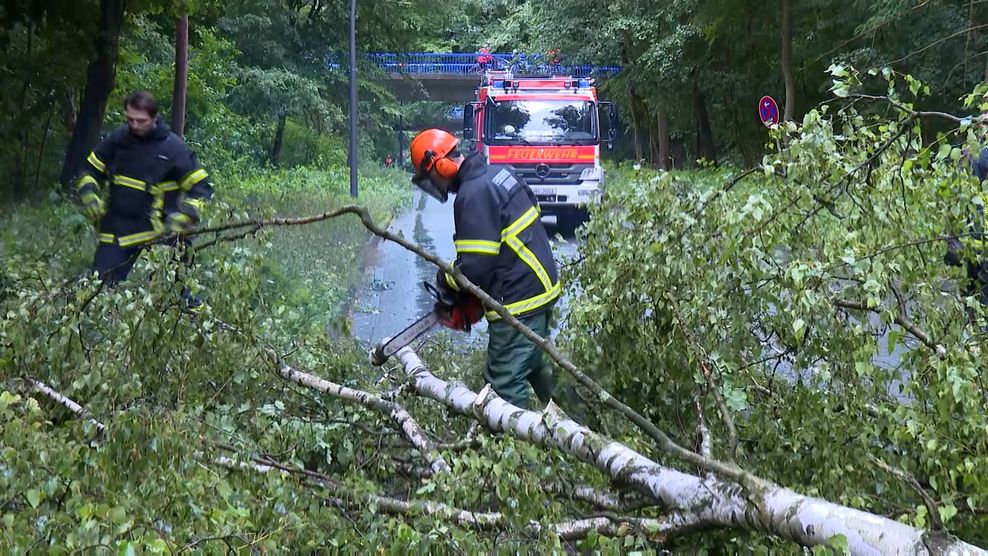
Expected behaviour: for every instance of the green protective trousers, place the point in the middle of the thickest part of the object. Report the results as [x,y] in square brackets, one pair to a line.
[514,362]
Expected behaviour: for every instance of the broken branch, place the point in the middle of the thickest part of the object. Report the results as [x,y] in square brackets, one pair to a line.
[66,402]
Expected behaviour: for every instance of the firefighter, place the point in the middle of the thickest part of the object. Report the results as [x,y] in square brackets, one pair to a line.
[501,247]
[153,185]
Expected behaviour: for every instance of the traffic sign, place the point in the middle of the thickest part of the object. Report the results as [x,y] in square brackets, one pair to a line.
[768,111]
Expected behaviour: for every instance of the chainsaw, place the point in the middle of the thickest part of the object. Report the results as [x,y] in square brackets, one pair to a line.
[457,311]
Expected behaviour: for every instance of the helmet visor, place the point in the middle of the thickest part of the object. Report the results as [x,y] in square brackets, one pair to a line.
[425,183]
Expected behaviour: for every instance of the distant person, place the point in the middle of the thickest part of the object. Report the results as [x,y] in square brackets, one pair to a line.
[388,161]
[152,185]
[484,58]
[555,57]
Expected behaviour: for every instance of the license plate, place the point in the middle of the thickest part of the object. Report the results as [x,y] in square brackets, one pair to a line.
[544,190]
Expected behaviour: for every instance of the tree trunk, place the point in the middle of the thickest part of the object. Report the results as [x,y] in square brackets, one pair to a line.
[41,149]
[181,75]
[653,143]
[705,146]
[279,136]
[787,74]
[24,123]
[707,501]
[665,162]
[99,83]
[636,126]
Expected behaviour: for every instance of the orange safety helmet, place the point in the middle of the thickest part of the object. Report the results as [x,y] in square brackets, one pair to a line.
[429,150]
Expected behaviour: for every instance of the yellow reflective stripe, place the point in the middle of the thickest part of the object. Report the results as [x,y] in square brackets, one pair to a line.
[106,238]
[86,180]
[140,237]
[166,186]
[480,246]
[130,182]
[520,224]
[192,178]
[195,203]
[451,282]
[525,254]
[530,304]
[96,162]
[157,205]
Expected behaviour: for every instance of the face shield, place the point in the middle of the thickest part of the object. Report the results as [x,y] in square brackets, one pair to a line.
[424,182]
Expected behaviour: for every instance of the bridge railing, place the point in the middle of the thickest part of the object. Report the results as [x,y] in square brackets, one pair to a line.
[468,63]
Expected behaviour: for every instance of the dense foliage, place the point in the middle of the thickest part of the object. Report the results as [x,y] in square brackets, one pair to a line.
[777,294]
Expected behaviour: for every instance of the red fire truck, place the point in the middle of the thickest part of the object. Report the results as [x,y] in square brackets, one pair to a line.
[547,130]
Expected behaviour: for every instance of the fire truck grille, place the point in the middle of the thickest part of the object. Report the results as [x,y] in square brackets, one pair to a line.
[550,174]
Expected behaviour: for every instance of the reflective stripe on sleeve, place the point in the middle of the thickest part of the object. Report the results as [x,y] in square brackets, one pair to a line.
[96,162]
[451,282]
[192,178]
[85,181]
[479,246]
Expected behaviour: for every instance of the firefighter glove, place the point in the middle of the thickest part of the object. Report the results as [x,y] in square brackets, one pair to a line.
[185,218]
[92,205]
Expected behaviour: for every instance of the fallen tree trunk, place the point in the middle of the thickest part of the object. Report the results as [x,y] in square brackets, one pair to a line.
[715,503]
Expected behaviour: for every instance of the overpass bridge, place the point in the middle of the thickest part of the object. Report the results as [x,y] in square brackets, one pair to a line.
[454,76]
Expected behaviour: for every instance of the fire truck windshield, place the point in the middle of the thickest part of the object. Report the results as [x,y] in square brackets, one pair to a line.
[541,122]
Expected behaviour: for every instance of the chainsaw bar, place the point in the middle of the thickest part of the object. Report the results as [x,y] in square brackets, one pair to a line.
[383,351]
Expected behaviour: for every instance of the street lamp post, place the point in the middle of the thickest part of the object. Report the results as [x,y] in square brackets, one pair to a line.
[353,98]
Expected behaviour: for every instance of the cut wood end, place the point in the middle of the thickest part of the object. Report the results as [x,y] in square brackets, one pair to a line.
[481,398]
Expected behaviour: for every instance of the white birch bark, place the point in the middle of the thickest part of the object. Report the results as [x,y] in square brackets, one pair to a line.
[774,510]
[413,432]
[66,402]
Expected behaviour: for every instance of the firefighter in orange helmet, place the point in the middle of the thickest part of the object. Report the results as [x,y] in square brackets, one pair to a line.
[502,247]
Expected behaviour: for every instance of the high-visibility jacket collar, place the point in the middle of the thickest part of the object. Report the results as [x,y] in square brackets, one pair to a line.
[473,166]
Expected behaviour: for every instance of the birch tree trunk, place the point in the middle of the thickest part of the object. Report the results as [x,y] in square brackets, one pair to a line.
[771,509]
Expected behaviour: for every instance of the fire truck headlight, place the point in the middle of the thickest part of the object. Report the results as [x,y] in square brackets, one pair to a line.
[591,173]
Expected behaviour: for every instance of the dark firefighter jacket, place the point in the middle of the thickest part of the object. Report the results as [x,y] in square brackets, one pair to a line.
[145,177]
[501,245]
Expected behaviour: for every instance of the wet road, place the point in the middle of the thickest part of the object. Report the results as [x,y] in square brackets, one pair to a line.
[391,296]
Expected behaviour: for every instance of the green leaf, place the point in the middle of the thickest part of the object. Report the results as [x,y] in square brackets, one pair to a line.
[799,328]
[34,497]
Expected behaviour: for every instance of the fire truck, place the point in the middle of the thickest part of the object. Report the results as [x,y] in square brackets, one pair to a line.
[547,130]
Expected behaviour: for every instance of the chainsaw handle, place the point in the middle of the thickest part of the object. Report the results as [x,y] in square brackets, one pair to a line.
[442,297]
